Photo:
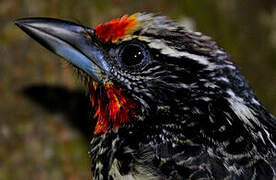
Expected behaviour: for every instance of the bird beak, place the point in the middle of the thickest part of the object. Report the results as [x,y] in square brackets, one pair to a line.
[75,43]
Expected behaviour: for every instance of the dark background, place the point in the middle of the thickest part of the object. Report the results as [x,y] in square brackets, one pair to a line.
[44,124]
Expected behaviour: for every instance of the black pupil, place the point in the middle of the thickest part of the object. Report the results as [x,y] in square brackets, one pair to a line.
[132,55]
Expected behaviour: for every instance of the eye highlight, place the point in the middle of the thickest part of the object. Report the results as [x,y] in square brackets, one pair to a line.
[133,54]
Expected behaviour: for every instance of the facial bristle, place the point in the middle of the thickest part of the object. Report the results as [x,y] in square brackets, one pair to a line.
[116,28]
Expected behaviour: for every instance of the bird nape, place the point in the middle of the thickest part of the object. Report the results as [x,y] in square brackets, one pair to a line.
[169,104]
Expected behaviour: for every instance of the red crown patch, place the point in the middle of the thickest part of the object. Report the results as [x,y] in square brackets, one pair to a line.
[116,28]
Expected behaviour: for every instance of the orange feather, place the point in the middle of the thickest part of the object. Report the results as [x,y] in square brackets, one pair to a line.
[116,28]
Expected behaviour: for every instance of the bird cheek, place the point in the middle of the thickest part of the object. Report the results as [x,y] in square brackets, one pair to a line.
[112,107]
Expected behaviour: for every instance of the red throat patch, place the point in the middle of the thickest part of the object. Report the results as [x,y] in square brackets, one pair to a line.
[112,108]
[116,28]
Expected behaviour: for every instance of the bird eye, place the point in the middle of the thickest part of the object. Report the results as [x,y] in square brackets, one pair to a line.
[132,54]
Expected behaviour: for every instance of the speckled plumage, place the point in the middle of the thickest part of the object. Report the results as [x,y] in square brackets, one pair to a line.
[200,118]
[195,116]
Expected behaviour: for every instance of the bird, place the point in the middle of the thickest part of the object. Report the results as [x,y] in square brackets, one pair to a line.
[169,102]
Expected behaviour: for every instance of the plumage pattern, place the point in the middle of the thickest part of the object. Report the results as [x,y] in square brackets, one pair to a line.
[198,116]
[169,102]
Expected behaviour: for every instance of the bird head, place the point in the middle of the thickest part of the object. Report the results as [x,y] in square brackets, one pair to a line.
[150,75]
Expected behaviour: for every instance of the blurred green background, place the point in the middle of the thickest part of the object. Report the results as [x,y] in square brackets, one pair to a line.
[44,123]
